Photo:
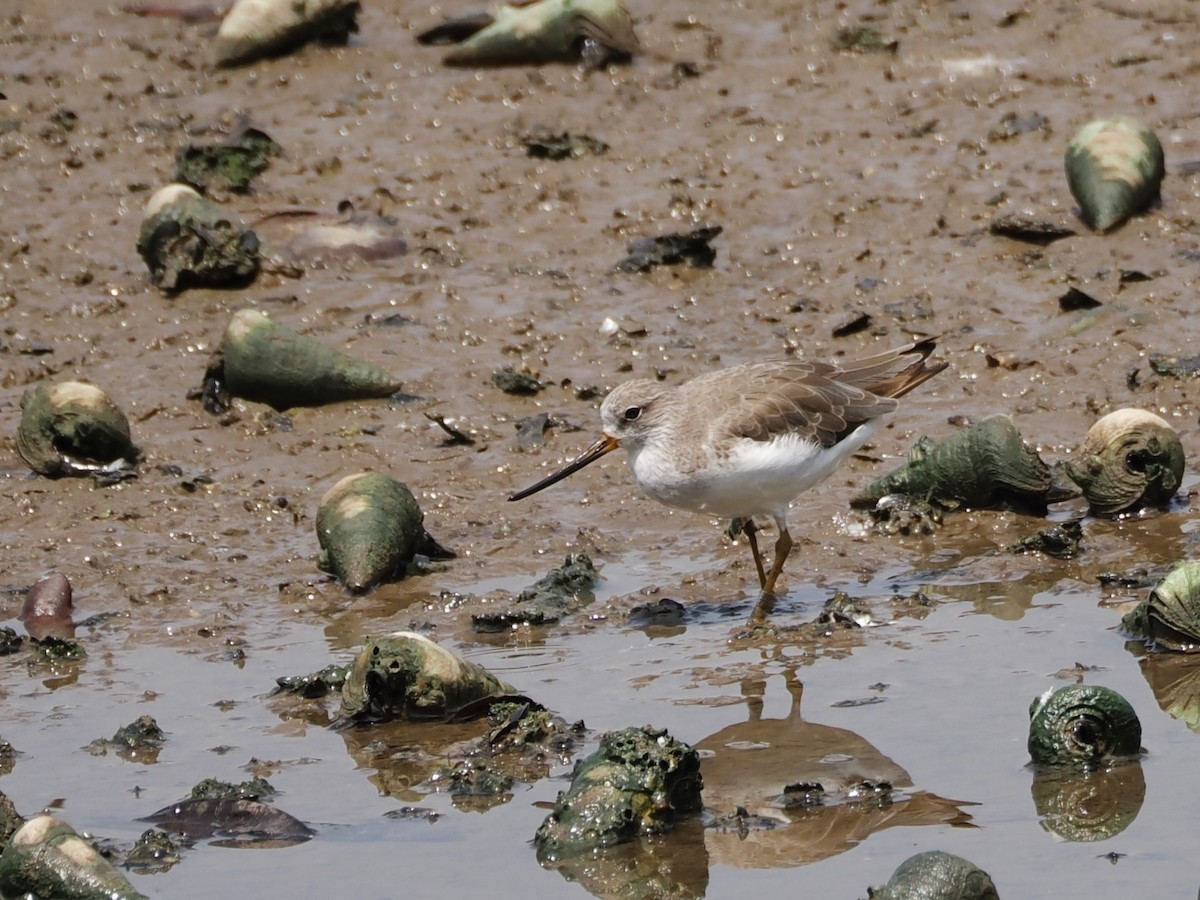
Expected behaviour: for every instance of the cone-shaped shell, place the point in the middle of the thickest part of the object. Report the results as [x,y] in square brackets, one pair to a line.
[369,527]
[46,858]
[1114,168]
[273,364]
[640,781]
[1130,458]
[1170,617]
[548,31]
[1081,725]
[72,428]
[407,676]
[984,464]
[937,875]
[256,28]
[187,241]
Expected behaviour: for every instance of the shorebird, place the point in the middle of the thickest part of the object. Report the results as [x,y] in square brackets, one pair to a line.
[747,440]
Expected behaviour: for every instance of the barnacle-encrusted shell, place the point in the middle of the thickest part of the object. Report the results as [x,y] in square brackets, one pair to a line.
[406,675]
[937,875]
[1081,725]
[46,858]
[73,428]
[1130,458]
[188,241]
[542,31]
[1114,168]
[985,464]
[273,364]
[1170,617]
[256,28]
[369,527]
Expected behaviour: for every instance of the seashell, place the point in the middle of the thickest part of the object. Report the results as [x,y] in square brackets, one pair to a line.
[46,611]
[986,464]
[1129,458]
[187,241]
[405,675]
[640,781]
[46,858]
[229,165]
[73,428]
[253,29]
[369,527]
[937,875]
[1082,725]
[1169,618]
[523,32]
[1114,168]
[239,821]
[269,363]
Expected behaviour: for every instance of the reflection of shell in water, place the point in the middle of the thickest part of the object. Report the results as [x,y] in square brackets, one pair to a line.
[1082,725]
[1170,617]
[1089,805]
[256,28]
[937,874]
[1129,458]
[981,465]
[369,527]
[544,31]
[1114,169]
[406,675]
[271,363]
[73,428]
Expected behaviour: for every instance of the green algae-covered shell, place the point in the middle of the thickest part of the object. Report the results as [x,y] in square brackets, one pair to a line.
[407,676]
[46,858]
[1081,725]
[640,781]
[369,527]
[1170,617]
[544,31]
[273,364]
[937,875]
[188,241]
[1130,458]
[984,464]
[73,428]
[253,29]
[1114,168]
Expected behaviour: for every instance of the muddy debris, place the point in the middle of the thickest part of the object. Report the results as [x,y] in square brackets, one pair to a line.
[316,685]
[1029,229]
[1129,459]
[1176,366]
[1169,618]
[558,593]
[74,429]
[47,609]
[1074,300]
[139,741]
[639,782]
[215,789]
[905,514]
[254,29]
[1115,167]
[985,465]
[188,241]
[370,528]
[558,145]
[153,853]
[232,822]
[594,33]
[10,819]
[47,858]
[1060,540]
[1082,726]
[230,165]
[936,875]
[297,238]
[519,383]
[405,675]
[863,39]
[693,248]
[54,650]
[262,361]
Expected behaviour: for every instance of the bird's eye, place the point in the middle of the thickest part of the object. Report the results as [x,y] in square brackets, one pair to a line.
[632,413]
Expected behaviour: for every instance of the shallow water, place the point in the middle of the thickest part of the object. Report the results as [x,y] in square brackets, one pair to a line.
[846,184]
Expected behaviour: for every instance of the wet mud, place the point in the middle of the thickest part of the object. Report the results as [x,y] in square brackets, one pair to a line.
[855,192]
